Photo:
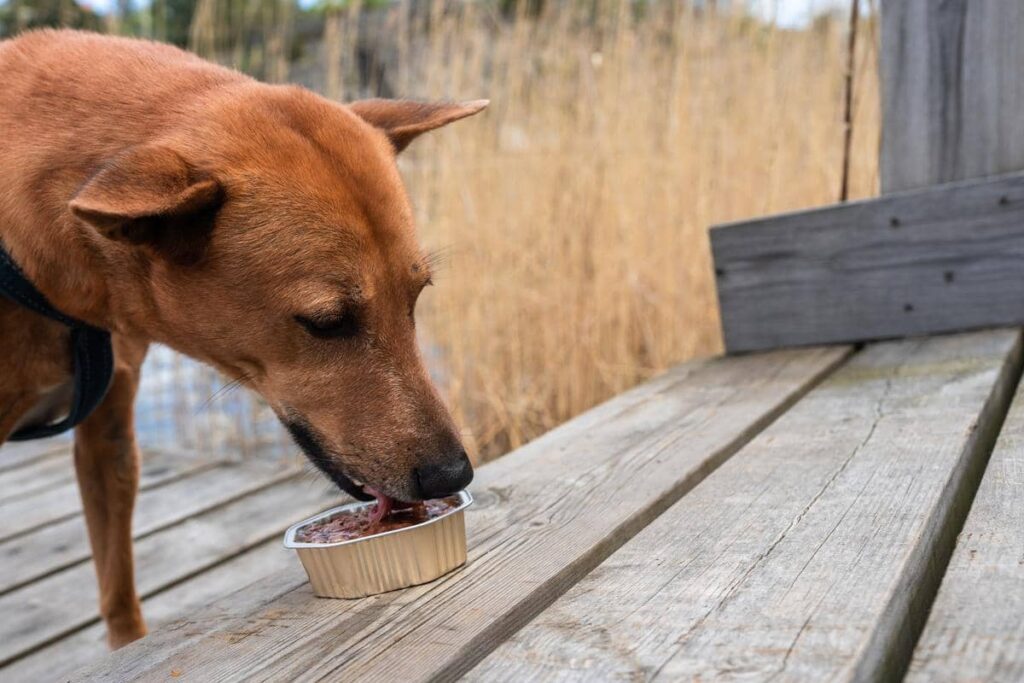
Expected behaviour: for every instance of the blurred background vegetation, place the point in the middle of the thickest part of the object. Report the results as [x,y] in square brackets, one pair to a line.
[574,213]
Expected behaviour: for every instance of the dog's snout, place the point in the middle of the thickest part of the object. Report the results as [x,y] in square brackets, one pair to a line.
[444,478]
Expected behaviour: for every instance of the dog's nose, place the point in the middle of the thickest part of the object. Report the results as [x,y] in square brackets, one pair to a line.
[443,479]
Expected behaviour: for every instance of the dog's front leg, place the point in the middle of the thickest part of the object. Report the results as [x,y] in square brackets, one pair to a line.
[107,463]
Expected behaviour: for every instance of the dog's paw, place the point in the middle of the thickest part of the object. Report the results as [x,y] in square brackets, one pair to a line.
[118,637]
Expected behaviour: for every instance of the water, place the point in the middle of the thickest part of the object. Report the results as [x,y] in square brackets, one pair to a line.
[184,404]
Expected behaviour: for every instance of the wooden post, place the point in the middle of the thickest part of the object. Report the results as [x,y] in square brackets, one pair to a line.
[944,254]
[952,91]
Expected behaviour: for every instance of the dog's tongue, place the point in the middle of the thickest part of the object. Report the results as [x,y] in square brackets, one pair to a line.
[385,504]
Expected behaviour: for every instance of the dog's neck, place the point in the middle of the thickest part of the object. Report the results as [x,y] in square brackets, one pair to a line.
[74,271]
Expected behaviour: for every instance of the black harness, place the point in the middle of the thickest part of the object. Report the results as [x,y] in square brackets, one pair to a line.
[90,347]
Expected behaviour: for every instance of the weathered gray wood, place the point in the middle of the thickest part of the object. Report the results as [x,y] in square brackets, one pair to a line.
[938,260]
[38,475]
[952,91]
[813,553]
[18,453]
[60,544]
[975,631]
[226,617]
[31,512]
[62,603]
[58,467]
[545,515]
[59,659]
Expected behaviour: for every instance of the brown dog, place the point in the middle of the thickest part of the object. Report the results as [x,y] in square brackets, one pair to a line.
[259,228]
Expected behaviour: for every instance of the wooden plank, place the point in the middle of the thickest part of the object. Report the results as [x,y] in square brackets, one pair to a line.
[951,91]
[38,475]
[64,543]
[62,603]
[31,512]
[56,661]
[812,554]
[58,468]
[15,454]
[975,630]
[545,515]
[938,260]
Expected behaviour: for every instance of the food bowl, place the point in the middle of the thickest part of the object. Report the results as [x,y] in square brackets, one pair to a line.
[386,561]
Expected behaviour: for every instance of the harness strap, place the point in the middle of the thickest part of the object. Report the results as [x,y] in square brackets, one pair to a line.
[91,351]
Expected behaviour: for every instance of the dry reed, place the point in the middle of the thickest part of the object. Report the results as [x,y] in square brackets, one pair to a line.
[576,211]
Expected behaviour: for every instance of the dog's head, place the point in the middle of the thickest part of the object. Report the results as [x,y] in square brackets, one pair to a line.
[276,242]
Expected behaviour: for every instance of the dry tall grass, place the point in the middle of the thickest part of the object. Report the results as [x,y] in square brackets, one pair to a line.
[575,211]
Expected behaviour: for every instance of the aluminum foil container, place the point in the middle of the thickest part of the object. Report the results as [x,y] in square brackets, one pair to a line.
[383,562]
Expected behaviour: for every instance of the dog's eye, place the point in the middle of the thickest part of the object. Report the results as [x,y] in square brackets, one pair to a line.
[344,326]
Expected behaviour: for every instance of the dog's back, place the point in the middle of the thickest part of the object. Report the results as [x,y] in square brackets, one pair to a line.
[69,100]
[80,79]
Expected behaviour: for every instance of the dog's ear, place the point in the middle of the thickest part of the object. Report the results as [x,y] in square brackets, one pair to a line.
[403,121]
[149,195]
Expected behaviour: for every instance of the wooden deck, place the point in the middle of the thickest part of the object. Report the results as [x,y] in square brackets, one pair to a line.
[789,515]
[203,527]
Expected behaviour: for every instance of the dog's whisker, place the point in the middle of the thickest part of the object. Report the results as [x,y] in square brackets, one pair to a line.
[223,391]
[438,258]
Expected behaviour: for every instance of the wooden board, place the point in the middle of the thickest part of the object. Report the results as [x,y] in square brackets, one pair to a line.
[62,603]
[975,631]
[58,469]
[812,554]
[944,259]
[37,475]
[545,515]
[27,513]
[75,651]
[952,93]
[14,454]
[63,543]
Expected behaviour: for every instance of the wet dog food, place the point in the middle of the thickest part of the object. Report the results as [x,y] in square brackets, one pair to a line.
[363,522]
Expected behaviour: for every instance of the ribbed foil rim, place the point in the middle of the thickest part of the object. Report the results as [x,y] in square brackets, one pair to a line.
[466,499]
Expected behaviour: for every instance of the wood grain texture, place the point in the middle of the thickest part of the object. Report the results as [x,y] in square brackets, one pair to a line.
[180,600]
[545,515]
[28,513]
[944,259]
[951,91]
[975,631]
[60,544]
[66,601]
[812,554]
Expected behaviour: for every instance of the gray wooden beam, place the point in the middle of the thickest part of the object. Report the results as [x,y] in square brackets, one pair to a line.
[975,631]
[943,259]
[952,92]
[812,554]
